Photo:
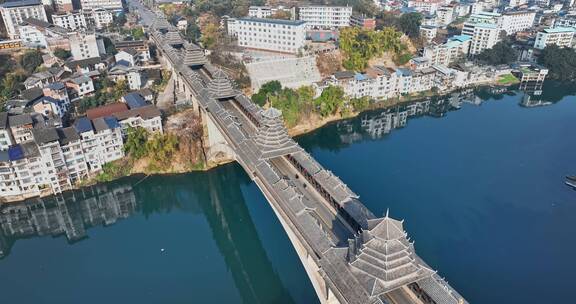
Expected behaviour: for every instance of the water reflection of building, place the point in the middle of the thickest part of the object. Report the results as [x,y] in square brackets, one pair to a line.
[530,102]
[69,214]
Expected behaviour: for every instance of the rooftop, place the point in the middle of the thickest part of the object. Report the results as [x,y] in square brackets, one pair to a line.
[559,30]
[274,21]
[19,3]
[45,135]
[134,100]
[106,110]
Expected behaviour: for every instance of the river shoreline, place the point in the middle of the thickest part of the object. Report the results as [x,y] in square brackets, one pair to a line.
[296,131]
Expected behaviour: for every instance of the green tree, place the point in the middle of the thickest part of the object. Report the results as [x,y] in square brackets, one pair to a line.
[501,53]
[266,90]
[410,24]
[120,89]
[161,148]
[331,99]
[31,60]
[561,62]
[361,45]
[62,53]
[11,84]
[360,104]
[210,35]
[136,139]
[137,33]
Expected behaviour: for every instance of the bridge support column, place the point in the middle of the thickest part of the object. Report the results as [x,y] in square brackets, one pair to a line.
[217,149]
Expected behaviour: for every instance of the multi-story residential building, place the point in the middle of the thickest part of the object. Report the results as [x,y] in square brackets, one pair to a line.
[560,36]
[484,36]
[15,12]
[132,75]
[73,154]
[516,3]
[100,17]
[113,5]
[426,6]
[63,5]
[517,21]
[147,117]
[57,90]
[49,107]
[5,135]
[85,45]
[363,21]
[325,16]
[21,127]
[72,20]
[269,12]
[81,86]
[55,172]
[260,11]
[139,45]
[271,34]
[565,21]
[38,33]
[428,32]
[445,14]
[36,158]
[445,54]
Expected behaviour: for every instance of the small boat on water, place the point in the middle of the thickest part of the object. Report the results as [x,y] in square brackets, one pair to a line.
[571,184]
[571,178]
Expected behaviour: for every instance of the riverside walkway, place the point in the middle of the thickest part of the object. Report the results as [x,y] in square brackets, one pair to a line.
[350,255]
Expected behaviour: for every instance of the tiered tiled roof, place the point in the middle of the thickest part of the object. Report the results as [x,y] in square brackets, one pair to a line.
[272,137]
[194,55]
[173,38]
[161,23]
[383,259]
[220,87]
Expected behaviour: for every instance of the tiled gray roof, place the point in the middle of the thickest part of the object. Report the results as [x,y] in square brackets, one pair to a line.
[194,55]
[220,87]
[272,137]
[45,135]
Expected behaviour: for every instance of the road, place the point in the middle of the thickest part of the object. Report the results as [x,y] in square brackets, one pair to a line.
[146,15]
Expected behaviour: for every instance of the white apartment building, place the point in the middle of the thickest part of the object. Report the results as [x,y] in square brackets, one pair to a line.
[426,6]
[513,22]
[113,5]
[445,54]
[271,34]
[325,16]
[147,117]
[51,160]
[260,11]
[560,36]
[63,5]
[428,32]
[100,17]
[15,12]
[5,140]
[445,14]
[72,20]
[86,45]
[516,3]
[484,36]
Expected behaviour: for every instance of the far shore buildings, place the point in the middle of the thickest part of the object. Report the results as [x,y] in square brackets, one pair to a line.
[321,16]
[284,36]
[112,5]
[83,19]
[560,36]
[15,12]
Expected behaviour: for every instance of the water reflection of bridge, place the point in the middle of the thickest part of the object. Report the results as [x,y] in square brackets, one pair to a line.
[350,255]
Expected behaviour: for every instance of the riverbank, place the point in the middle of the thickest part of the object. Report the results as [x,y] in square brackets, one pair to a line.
[191,155]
